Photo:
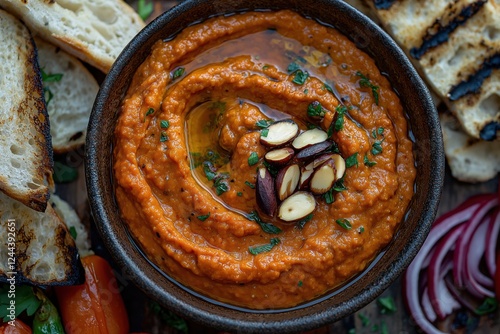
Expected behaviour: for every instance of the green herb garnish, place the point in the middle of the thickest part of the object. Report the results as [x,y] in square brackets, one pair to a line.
[263,123]
[387,305]
[315,109]
[365,82]
[144,9]
[210,171]
[255,250]
[300,283]
[339,186]
[377,147]
[47,94]
[164,124]
[365,321]
[148,112]
[344,223]
[303,222]
[368,162]
[25,299]
[292,67]
[63,173]
[55,77]
[204,217]
[163,137]
[220,184]
[253,159]
[239,194]
[328,196]
[378,132]
[72,232]
[489,305]
[361,229]
[250,184]
[352,160]
[300,77]
[266,227]
[168,318]
[178,72]
[339,122]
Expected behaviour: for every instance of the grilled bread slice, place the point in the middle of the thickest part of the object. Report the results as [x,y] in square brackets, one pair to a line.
[72,93]
[456,45]
[94,31]
[26,163]
[470,159]
[45,252]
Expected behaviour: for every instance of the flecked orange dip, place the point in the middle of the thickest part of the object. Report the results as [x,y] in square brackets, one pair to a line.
[197,101]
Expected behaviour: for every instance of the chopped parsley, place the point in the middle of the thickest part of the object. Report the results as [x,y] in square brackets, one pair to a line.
[255,250]
[220,184]
[178,72]
[144,9]
[328,196]
[253,159]
[72,232]
[339,122]
[266,227]
[300,77]
[164,124]
[250,184]
[273,170]
[204,217]
[300,284]
[210,171]
[239,194]
[303,222]
[361,229]
[377,147]
[344,223]
[352,160]
[365,82]
[263,123]
[368,162]
[365,321]
[264,133]
[315,109]
[489,305]
[339,186]
[378,132]
[386,305]
[163,137]
[25,299]
[292,67]
[47,94]
[148,112]
[55,77]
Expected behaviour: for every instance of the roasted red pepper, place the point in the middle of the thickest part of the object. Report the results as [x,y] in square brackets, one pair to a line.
[15,327]
[95,307]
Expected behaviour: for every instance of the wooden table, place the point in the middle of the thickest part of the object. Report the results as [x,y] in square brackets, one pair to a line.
[142,320]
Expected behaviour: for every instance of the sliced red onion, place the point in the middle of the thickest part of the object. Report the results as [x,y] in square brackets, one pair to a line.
[463,244]
[439,295]
[427,307]
[475,253]
[491,243]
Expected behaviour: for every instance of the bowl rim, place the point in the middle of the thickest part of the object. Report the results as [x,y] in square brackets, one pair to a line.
[265,324]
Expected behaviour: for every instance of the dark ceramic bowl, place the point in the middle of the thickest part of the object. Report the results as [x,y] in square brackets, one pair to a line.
[361,290]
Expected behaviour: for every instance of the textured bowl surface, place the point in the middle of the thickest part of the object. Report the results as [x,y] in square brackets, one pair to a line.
[360,291]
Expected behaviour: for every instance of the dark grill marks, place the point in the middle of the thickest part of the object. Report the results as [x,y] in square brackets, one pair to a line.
[474,82]
[383,4]
[432,40]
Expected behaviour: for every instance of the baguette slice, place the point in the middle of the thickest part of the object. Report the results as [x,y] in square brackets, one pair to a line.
[456,46]
[72,96]
[25,143]
[470,159]
[44,250]
[94,31]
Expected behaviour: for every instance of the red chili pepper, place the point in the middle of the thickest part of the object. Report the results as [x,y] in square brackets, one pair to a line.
[15,327]
[95,307]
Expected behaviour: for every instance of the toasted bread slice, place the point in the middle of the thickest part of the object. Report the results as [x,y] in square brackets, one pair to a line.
[94,31]
[470,159]
[69,216]
[44,250]
[72,95]
[456,46]
[26,163]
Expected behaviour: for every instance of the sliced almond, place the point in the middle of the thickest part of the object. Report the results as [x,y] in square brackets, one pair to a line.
[306,173]
[318,161]
[279,133]
[323,178]
[287,181]
[339,166]
[280,156]
[309,137]
[313,150]
[265,192]
[297,206]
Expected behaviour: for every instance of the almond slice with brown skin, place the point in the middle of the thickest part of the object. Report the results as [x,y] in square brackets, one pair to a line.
[306,173]
[339,166]
[323,178]
[287,181]
[265,192]
[313,150]
[280,156]
[308,138]
[279,133]
[297,206]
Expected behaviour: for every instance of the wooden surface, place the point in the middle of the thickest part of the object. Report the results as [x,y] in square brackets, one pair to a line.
[143,320]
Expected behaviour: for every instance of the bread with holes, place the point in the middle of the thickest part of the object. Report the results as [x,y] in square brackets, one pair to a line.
[26,163]
[456,46]
[470,159]
[44,250]
[71,97]
[95,31]
[69,216]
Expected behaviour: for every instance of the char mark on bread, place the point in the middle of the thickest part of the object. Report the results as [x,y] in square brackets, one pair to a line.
[439,33]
